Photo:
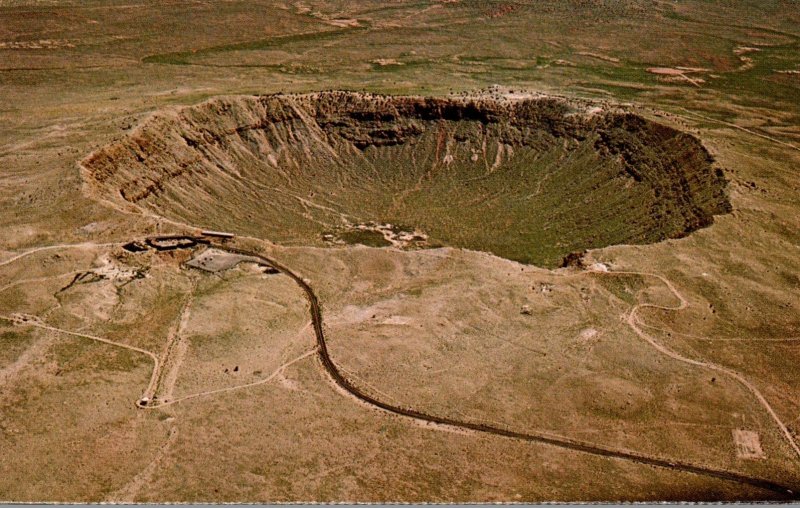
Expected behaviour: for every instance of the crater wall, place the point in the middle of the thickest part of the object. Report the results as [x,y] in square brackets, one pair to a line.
[528,179]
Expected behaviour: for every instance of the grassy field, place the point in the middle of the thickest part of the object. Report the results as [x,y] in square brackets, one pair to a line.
[482,328]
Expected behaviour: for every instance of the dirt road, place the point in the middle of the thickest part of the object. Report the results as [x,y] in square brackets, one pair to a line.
[335,373]
[342,382]
[633,322]
[53,247]
[151,385]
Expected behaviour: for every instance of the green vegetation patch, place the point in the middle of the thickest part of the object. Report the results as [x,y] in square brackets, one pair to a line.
[368,238]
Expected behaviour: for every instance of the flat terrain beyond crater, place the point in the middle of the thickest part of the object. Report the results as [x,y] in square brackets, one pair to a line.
[530,179]
[484,274]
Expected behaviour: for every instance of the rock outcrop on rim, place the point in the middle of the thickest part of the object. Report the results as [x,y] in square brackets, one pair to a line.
[531,179]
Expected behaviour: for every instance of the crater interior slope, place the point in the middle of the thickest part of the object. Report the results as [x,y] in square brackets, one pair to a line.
[530,179]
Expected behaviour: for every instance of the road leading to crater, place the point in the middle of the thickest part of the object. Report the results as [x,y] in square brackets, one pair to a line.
[336,375]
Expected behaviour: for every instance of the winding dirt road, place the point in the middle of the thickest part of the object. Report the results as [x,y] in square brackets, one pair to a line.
[341,381]
[634,323]
[335,373]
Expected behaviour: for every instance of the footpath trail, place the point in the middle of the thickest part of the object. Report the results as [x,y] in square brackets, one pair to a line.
[228,389]
[633,322]
[337,376]
[18,319]
[53,247]
[743,129]
[175,350]
[342,382]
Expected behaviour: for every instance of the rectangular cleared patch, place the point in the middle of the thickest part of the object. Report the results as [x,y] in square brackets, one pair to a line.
[748,444]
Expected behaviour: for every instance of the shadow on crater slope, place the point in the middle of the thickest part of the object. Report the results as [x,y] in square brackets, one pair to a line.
[527,179]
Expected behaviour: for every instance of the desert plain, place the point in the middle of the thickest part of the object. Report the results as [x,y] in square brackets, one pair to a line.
[443,251]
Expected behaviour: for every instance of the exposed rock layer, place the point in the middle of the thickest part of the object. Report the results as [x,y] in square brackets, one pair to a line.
[529,179]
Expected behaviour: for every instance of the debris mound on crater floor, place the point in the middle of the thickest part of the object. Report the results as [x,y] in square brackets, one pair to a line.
[530,178]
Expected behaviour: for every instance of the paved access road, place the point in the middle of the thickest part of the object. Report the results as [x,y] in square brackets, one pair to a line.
[334,372]
[782,491]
